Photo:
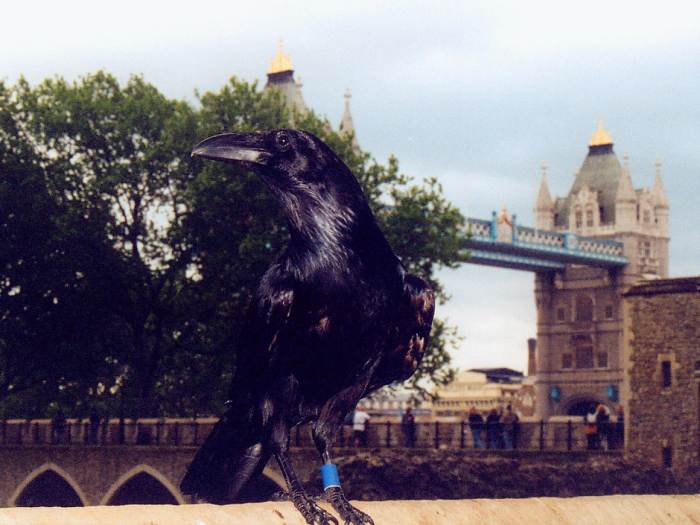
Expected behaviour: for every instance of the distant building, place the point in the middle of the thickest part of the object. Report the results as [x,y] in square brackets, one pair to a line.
[391,403]
[579,311]
[662,364]
[280,76]
[483,389]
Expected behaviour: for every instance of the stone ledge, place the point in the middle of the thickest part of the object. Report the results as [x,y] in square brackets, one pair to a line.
[590,510]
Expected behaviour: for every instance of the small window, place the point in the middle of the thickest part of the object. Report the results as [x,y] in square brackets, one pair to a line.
[608,311]
[589,218]
[579,219]
[667,457]
[646,216]
[584,357]
[602,360]
[566,361]
[666,374]
[561,314]
[584,308]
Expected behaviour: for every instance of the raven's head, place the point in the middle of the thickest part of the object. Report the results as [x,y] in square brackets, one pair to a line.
[320,195]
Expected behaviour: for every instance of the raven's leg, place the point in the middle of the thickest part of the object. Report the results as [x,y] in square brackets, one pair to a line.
[323,432]
[313,514]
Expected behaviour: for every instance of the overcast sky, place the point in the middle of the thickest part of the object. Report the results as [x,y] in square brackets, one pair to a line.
[474,93]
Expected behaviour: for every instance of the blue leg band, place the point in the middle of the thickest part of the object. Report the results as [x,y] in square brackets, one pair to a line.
[329,475]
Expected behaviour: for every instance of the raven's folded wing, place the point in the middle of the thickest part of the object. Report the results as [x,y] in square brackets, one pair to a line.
[268,317]
[412,332]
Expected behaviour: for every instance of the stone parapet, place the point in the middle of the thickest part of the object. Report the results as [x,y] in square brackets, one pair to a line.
[583,510]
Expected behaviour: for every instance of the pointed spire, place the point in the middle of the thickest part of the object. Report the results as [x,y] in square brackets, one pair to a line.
[544,198]
[281,62]
[600,137]
[658,194]
[625,190]
[346,124]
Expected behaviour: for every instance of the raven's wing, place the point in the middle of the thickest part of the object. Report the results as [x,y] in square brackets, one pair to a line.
[411,333]
[267,318]
[233,452]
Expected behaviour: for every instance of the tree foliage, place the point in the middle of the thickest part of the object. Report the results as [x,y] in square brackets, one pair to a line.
[125,265]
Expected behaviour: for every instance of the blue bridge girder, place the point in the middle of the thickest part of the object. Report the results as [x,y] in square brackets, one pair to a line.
[524,248]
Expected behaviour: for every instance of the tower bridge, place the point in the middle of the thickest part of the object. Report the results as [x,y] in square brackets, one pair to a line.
[503,243]
[586,250]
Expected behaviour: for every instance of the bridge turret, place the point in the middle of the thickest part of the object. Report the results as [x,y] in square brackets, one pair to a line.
[625,201]
[544,206]
[660,202]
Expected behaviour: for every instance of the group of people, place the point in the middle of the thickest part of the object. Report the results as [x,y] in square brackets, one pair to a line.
[601,432]
[499,429]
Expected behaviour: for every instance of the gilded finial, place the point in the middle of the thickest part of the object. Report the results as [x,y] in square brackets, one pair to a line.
[601,137]
[281,62]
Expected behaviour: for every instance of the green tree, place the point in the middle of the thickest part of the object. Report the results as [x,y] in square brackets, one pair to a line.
[159,254]
[47,291]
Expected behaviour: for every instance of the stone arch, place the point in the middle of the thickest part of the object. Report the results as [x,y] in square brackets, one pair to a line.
[137,471]
[41,471]
[578,405]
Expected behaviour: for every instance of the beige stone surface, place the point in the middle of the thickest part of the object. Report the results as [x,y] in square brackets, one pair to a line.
[618,510]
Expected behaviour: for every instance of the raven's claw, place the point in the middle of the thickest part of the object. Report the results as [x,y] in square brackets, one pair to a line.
[348,513]
[313,514]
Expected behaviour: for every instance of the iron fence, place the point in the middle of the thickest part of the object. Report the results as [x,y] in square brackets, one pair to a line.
[530,435]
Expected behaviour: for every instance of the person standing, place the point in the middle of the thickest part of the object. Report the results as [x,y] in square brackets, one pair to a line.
[94,426]
[408,426]
[591,428]
[359,427]
[510,428]
[476,426]
[494,430]
[58,427]
[602,421]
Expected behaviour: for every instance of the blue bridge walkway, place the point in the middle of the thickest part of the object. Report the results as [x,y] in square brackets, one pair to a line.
[504,244]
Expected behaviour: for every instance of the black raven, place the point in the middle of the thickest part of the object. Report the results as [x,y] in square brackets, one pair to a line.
[335,317]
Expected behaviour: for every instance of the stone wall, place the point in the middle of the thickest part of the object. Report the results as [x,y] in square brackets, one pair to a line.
[568,511]
[662,351]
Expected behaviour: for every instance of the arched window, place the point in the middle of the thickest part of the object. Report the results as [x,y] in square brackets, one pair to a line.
[142,485]
[584,308]
[48,489]
[142,489]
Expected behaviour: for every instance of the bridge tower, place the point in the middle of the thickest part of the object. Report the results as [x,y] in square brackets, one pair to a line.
[280,76]
[579,308]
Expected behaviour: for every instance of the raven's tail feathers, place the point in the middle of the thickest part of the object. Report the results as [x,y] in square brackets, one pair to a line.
[231,455]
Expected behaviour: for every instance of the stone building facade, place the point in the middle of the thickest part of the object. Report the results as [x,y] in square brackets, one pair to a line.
[662,362]
[579,310]
[479,389]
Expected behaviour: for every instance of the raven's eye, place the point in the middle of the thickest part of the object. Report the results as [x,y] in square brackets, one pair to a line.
[282,140]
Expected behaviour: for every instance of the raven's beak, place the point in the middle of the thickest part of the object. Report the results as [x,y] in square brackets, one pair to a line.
[235,148]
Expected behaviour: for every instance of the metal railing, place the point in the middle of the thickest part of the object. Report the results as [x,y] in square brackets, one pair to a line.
[529,435]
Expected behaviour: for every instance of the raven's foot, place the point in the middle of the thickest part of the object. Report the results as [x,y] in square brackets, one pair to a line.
[313,514]
[348,513]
